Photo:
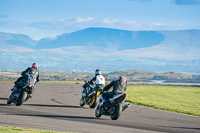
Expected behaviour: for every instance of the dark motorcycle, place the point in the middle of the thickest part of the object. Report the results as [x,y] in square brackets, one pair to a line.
[18,96]
[115,106]
[89,95]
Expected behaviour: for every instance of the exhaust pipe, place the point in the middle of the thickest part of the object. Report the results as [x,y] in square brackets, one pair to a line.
[125,107]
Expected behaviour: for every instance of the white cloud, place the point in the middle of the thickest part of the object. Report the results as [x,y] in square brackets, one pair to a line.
[111,21]
[81,20]
[107,21]
[43,29]
[119,21]
[158,24]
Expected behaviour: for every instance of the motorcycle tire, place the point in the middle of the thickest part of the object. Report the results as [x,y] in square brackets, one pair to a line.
[81,103]
[94,102]
[98,112]
[9,101]
[27,97]
[22,98]
[117,111]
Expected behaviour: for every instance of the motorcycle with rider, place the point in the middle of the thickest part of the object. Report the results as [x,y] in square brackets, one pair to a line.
[91,90]
[111,103]
[24,86]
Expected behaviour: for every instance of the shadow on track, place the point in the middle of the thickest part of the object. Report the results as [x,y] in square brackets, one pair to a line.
[183,127]
[63,117]
[62,106]
[4,105]
[3,98]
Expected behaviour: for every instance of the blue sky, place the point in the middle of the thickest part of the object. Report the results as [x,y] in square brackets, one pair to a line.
[49,18]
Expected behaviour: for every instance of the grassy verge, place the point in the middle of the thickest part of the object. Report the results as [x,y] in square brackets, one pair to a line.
[7,80]
[6,129]
[180,99]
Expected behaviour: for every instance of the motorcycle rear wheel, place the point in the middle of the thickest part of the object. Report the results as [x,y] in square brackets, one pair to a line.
[94,101]
[22,98]
[117,111]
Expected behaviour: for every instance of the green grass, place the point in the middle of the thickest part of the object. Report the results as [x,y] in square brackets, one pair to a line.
[6,129]
[7,80]
[180,99]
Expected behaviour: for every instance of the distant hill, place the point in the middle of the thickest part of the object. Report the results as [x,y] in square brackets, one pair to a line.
[107,38]
[146,76]
[104,48]
[10,41]
[104,37]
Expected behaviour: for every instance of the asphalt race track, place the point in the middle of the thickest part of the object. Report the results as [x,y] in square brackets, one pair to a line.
[55,107]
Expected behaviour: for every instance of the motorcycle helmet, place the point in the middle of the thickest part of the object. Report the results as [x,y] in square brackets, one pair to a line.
[122,79]
[98,72]
[34,65]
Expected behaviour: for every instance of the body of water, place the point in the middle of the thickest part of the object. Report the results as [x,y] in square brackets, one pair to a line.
[164,81]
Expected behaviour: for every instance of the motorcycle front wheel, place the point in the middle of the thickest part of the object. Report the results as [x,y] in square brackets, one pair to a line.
[98,112]
[81,102]
[9,101]
[117,111]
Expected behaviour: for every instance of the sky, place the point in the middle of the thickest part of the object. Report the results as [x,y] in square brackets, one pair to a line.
[48,18]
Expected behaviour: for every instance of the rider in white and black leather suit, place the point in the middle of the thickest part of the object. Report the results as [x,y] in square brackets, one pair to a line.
[98,79]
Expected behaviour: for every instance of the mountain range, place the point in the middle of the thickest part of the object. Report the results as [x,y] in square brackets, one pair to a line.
[106,38]
[104,48]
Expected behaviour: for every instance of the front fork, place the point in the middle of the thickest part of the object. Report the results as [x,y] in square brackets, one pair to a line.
[13,94]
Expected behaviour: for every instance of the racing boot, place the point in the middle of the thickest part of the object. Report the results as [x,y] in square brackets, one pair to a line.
[31,94]
[84,93]
[106,106]
[90,100]
[12,89]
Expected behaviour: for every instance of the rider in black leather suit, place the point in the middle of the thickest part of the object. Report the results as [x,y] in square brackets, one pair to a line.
[119,86]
